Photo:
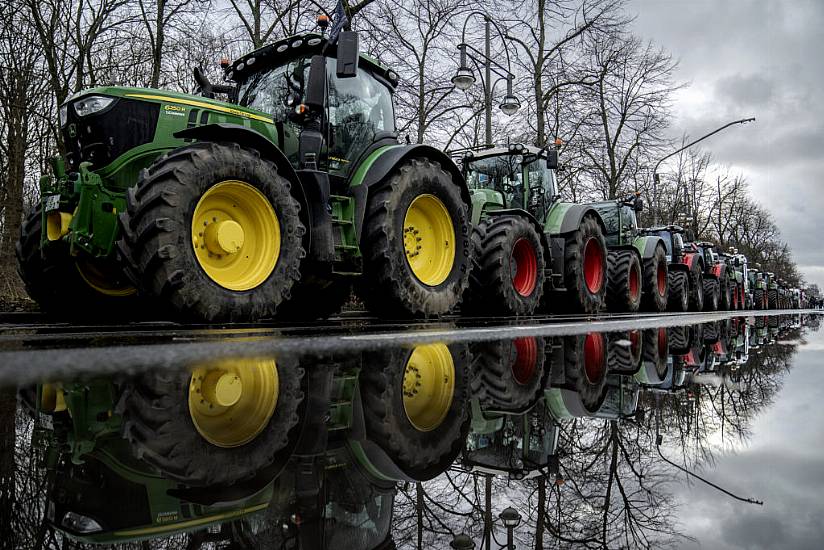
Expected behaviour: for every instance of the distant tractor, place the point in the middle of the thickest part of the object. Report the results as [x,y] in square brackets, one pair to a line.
[295,187]
[637,263]
[717,278]
[772,291]
[739,266]
[758,286]
[531,249]
[685,281]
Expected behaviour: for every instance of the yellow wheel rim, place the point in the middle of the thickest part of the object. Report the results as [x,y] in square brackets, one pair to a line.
[429,240]
[236,235]
[231,402]
[428,386]
[104,279]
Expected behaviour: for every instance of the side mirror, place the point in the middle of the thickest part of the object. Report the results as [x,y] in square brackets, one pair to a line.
[316,87]
[638,206]
[552,159]
[207,89]
[347,54]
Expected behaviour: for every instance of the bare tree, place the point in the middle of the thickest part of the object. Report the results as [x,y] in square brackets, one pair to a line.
[627,108]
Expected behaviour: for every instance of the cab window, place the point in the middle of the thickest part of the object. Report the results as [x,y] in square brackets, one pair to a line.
[360,108]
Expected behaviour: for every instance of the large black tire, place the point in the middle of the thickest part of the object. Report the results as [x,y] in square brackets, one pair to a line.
[508,274]
[53,279]
[624,351]
[678,285]
[656,349]
[394,290]
[158,425]
[696,281]
[586,367]
[313,299]
[579,297]
[656,291]
[623,281]
[712,294]
[679,339]
[725,291]
[413,450]
[508,375]
[157,245]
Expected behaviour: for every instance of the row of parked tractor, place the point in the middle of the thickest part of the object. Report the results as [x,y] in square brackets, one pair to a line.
[295,189]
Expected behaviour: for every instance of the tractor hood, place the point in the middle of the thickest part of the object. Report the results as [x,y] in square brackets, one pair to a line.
[115,126]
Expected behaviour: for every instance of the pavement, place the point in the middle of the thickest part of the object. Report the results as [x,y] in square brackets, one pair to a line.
[34,348]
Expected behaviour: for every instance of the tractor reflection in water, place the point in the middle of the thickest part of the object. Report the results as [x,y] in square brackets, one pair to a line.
[233,444]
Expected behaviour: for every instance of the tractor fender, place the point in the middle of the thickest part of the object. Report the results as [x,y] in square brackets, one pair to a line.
[566,217]
[630,248]
[535,223]
[679,266]
[646,245]
[719,270]
[380,164]
[246,137]
[691,257]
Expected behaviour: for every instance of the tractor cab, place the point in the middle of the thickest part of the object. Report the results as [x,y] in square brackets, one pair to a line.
[328,100]
[521,446]
[620,218]
[517,176]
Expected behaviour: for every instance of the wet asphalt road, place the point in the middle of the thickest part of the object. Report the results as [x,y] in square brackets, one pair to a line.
[33,348]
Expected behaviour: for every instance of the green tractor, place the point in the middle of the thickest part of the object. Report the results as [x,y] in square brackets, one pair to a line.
[637,270]
[772,290]
[758,284]
[531,249]
[294,187]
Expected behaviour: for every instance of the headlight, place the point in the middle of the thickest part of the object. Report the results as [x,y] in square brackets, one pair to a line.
[64,114]
[92,104]
[80,523]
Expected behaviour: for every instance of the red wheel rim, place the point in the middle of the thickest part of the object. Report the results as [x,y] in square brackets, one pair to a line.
[593,265]
[634,284]
[594,357]
[661,277]
[525,261]
[663,343]
[526,360]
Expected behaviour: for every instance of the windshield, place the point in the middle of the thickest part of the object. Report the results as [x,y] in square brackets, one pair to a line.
[277,90]
[360,109]
[501,173]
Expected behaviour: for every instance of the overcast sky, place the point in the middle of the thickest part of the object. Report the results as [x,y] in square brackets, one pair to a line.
[762,58]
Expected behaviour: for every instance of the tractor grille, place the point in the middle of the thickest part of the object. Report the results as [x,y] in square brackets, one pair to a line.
[102,137]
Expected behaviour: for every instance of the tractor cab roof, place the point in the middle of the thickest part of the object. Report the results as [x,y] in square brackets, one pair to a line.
[670,228]
[300,45]
[498,150]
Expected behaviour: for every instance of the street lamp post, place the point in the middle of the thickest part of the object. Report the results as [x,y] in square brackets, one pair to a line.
[656,178]
[511,519]
[464,77]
